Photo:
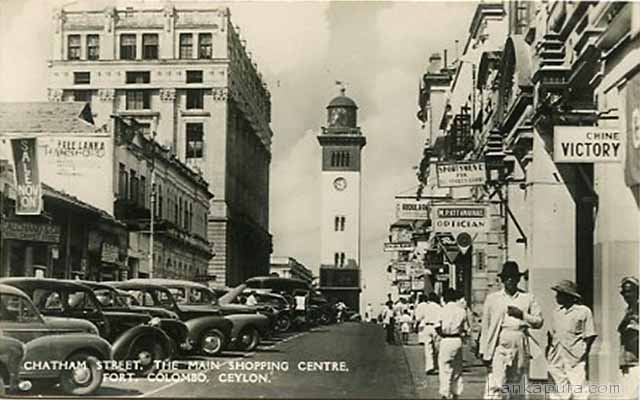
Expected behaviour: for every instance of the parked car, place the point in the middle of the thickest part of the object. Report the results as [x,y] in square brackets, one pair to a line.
[112,301]
[209,331]
[277,304]
[134,336]
[12,353]
[248,324]
[49,339]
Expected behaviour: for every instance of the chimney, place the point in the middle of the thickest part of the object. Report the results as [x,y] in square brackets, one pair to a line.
[445,59]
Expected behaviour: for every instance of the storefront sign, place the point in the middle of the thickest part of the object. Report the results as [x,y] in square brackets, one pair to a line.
[28,188]
[417,284]
[399,246]
[584,144]
[30,231]
[464,218]
[110,253]
[461,174]
[412,209]
[632,161]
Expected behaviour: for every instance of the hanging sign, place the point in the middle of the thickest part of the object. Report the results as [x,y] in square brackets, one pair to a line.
[586,144]
[28,188]
[399,246]
[461,174]
[412,209]
[462,218]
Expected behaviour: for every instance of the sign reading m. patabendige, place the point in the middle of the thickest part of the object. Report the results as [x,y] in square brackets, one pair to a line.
[584,144]
[460,218]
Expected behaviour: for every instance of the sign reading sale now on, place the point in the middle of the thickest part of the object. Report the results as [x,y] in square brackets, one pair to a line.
[584,144]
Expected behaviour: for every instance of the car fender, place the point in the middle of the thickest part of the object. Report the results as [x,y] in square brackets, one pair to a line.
[59,348]
[198,325]
[241,321]
[123,343]
[11,356]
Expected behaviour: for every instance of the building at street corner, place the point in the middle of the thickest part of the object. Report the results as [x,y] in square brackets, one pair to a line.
[341,142]
[556,123]
[289,267]
[183,71]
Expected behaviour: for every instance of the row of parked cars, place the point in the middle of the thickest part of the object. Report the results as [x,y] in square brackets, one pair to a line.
[70,332]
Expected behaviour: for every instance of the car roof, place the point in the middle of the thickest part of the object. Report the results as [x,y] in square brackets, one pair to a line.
[134,284]
[36,283]
[96,285]
[6,289]
[171,282]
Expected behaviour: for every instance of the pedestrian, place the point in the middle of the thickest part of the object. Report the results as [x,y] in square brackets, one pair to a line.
[389,300]
[388,322]
[251,299]
[453,326]
[368,314]
[405,326]
[508,314]
[628,329]
[428,317]
[570,338]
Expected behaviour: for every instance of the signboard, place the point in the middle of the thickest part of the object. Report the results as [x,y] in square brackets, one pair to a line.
[632,99]
[461,218]
[461,174]
[28,188]
[30,231]
[417,284]
[583,144]
[339,277]
[76,162]
[399,246]
[110,253]
[412,209]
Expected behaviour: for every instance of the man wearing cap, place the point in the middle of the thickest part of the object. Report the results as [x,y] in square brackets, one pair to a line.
[504,341]
[628,329]
[570,338]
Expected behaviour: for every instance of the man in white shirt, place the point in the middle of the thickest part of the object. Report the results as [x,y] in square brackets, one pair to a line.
[453,326]
[251,299]
[428,318]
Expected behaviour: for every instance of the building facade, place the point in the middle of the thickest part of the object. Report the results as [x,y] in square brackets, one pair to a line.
[289,267]
[183,72]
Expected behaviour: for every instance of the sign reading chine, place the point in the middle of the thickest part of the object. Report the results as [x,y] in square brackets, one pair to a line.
[461,174]
[583,144]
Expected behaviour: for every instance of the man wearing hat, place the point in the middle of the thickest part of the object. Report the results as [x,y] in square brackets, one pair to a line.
[570,338]
[508,315]
[628,329]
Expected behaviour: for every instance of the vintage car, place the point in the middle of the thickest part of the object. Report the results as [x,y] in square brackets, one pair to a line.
[249,324]
[209,331]
[50,340]
[278,305]
[112,301]
[12,353]
[134,336]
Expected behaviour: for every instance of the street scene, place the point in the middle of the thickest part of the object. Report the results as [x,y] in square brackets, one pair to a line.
[330,199]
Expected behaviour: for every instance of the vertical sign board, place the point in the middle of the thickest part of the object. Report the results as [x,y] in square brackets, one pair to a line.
[471,219]
[586,144]
[28,188]
[461,174]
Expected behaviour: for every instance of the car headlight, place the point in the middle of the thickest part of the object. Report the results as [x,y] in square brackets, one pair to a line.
[173,315]
[155,321]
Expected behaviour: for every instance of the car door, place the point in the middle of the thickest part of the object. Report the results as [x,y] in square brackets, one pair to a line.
[19,319]
[82,304]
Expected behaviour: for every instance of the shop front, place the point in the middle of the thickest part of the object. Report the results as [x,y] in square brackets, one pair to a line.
[29,247]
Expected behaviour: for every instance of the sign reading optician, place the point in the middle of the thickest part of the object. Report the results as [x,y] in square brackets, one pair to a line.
[412,209]
[461,218]
[461,174]
[584,144]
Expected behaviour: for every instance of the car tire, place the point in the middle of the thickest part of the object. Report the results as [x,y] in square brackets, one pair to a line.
[248,339]
[3,390]
[325,319]
[211,342]
[283,324]
[147,350]
[82,381]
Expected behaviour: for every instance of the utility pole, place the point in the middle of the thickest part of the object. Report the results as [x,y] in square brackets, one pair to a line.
[152,206]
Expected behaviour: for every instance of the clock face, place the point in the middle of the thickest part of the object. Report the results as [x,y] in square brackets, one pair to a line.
[338,117]
[340,184]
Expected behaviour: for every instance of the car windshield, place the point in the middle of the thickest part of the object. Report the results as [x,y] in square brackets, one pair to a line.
[54,300]
[109,298]
[271,301]
[192,295]
[128,299]
[17,309]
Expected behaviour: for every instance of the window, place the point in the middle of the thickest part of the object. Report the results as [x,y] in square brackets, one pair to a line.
[133,186]
[195,140]
[138,77]
[82,95]
[73,47]
[194,76]
[123,182]
[336,223]
[81,78]
[93,47]
[205,49]
[150,46]
[138,100]
[159,201]
[128,47]
[17,309]
[342,219]
[143,192]
[336,259]
[195,99]
[186,45]
[342,259]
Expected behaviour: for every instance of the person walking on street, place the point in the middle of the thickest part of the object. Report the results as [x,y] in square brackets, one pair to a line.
[507,316]
[405,326]
[388,322]
[628,329]
[428,317]
[454,325]
[570,338]
[368,314]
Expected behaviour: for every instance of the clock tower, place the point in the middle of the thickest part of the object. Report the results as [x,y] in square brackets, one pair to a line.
[341,142]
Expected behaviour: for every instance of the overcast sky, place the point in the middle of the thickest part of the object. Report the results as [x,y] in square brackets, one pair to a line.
[302,48]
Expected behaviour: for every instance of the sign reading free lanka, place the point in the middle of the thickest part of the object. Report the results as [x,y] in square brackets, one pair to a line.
[584,144]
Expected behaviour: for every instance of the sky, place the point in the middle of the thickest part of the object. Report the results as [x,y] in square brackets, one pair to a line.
[380,49]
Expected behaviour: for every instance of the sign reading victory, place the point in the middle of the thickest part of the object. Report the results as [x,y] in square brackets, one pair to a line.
[461,218]
[583,144]
[412,209]
[461,174]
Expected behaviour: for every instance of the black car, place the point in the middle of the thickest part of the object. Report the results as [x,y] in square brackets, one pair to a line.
[278,306]
[132,335]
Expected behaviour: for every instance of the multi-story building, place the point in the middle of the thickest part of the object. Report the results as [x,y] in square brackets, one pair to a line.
[289,267]
[182,71]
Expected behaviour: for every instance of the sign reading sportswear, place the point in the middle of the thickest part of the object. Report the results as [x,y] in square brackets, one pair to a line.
[461,174]
[580,144]
[461,218]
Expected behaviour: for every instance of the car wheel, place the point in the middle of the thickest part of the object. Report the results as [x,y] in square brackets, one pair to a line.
[211,342]
[83,380]
[146,350]
[248,339]
[325,318]
[283,323]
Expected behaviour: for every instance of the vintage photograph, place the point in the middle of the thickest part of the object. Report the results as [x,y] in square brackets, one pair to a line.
[319,199]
